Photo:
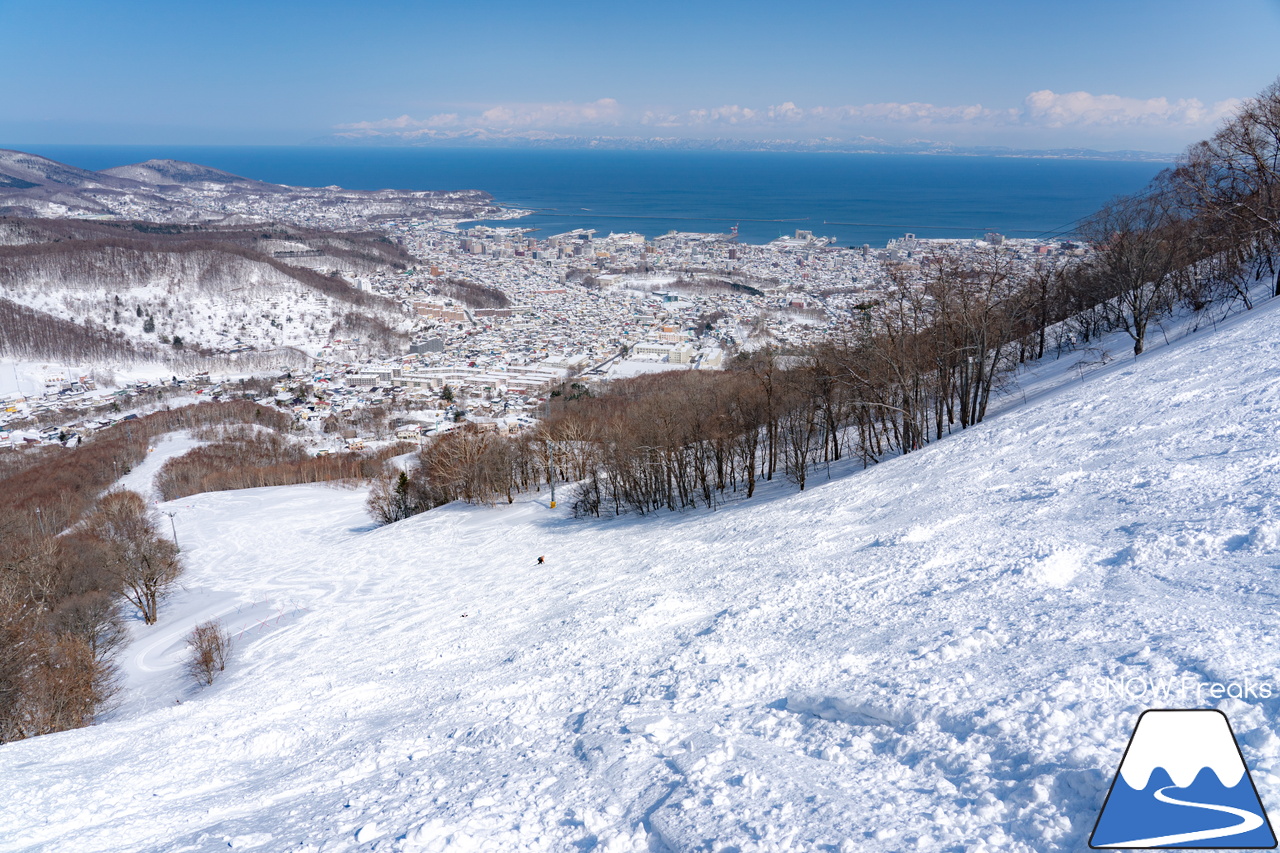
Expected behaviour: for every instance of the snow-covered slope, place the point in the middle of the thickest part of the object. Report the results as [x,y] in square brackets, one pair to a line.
[161,172]
[218,290]
[912,657]
[174,191]
[19,170]
[208,298]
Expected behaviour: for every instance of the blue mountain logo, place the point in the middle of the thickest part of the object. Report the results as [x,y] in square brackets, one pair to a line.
[1183,783]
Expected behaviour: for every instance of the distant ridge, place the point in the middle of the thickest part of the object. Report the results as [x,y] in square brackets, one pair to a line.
[21,170]
[174,191]
[175,172]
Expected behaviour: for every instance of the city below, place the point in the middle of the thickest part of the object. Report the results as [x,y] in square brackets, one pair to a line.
[497,317]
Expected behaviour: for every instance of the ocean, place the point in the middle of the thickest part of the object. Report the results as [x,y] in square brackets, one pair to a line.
[855,198]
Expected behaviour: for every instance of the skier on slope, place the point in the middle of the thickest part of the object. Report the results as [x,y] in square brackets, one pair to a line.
[541,560]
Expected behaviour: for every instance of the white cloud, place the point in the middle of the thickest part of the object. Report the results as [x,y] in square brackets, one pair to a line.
[729,114]
[922,113]
[1051,109]
[602,112]
[1044,109]
[561,114]
[382,124]
[788,113]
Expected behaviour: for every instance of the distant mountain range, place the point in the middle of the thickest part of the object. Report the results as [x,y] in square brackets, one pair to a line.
[177,192]
[860,145]
[41,176]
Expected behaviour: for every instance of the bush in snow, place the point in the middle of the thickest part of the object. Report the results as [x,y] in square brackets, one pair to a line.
[210,645]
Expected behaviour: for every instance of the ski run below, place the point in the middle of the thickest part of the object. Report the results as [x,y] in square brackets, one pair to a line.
[947,651]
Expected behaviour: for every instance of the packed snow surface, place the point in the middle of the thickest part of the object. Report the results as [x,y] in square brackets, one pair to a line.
[947,651]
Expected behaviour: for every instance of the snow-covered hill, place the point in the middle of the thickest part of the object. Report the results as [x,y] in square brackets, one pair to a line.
[920,656]
[208,298]
[219,290]
[19,170]
[174,191]
[165,172]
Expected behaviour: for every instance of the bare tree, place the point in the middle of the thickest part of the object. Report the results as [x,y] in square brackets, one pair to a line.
[61,690]
[390,499]
[144,563]
[210,645]
[1234,180]
[1141,248]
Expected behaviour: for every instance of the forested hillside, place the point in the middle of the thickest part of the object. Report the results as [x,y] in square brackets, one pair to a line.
[87,290]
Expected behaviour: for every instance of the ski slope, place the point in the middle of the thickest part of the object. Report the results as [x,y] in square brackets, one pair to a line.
[905,658]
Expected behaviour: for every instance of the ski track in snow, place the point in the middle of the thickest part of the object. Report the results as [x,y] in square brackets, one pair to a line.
[142,478]
[899,659]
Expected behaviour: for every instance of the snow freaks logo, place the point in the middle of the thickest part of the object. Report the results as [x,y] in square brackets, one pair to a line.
[1178,688]
[1183,783]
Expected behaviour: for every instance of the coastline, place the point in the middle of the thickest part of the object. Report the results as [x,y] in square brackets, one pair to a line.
[768,194]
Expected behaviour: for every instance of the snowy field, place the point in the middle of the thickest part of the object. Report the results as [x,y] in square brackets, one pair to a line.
[22,378]
[914,657]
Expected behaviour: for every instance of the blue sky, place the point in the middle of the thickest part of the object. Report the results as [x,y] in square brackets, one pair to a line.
[1109,75]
